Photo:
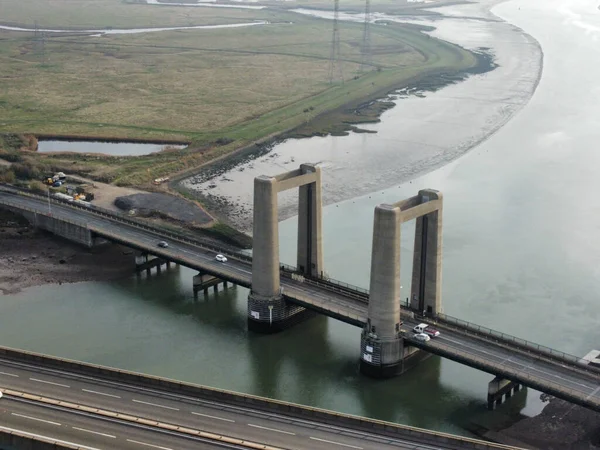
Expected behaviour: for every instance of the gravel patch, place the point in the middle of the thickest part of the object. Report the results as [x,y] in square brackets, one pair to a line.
[163,204]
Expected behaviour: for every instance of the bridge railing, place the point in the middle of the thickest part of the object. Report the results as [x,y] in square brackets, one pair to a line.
[326,282]
[552,387]
[513,341]
[336,285]
[120,217]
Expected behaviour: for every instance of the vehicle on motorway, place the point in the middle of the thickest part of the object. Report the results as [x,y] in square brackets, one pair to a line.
[220,258]
[427,329]
[0,394]
[422,337]
[163,244]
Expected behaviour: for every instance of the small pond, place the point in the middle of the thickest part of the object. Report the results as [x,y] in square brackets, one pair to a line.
[108,148]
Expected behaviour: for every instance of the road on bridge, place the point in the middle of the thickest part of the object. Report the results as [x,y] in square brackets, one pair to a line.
[235,270]
[564,380]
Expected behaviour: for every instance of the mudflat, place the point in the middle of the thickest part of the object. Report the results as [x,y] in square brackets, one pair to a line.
[33,258]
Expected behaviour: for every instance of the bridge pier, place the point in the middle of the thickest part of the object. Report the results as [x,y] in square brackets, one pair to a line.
[384,352]
[268,311]
[499,388]
[146,262]
[203,281]
[381,341]
[426,285]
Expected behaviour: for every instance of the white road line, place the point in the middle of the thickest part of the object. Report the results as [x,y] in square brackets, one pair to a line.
[272,429]
[95,432]
[35,418]
[336,443]
[100,393]
[528,365]
[148,445]
[593,393]
[154,404]
[59,441]
[9,374]
[49,382]
[212,417]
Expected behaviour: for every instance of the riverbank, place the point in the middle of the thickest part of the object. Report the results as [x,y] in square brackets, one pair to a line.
[560,426]
[429,126]
[283,88]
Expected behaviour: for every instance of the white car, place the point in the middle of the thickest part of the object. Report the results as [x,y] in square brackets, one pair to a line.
[422,337]
[163,244]
[427,329]
[221,258]
[0,394]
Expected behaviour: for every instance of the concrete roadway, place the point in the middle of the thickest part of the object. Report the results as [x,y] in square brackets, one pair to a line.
[86,432]
[232,421]
[237,271]
[472,351]
[585,386]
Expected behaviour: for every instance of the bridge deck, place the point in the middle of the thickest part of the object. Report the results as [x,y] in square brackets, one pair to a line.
[561,377]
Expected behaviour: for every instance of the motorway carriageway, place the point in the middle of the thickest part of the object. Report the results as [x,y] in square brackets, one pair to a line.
[100,433]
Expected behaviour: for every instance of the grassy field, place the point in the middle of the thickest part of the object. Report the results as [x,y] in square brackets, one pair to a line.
[134,13]
[227,86]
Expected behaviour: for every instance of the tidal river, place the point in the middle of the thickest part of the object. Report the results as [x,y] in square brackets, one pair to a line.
[521,254]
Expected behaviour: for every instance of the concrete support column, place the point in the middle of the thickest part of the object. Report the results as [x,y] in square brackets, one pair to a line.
[426,286]
[498,389]
[265,294]
[382,345]
[265,257]
[310,244]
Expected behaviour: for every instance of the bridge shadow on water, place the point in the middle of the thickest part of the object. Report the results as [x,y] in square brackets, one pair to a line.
[314,363]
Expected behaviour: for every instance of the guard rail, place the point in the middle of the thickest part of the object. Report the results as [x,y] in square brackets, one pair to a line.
[469,328]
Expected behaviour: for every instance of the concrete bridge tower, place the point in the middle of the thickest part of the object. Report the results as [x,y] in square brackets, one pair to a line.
[383,349]
[267,310]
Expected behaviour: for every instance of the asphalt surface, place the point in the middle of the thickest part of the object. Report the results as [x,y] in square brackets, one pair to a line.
[231,421]
[563,380]
[237,271]
[585,387]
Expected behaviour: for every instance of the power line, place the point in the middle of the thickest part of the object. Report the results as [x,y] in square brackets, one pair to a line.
[335,65]
[39,39]
[367,56]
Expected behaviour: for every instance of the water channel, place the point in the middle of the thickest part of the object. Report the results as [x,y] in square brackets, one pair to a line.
[521,254]
[99,32]
[107,148]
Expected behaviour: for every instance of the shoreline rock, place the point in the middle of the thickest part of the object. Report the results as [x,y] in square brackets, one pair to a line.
[560,426]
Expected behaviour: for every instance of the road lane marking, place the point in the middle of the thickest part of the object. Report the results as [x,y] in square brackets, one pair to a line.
[593,393]
[9,374]
[35,418]
[100,393]
[271,429]
[336,443]
[212,417]
[154,404]
[149,445]
[50,382]
[59,441]
[528,364]
[95,432]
